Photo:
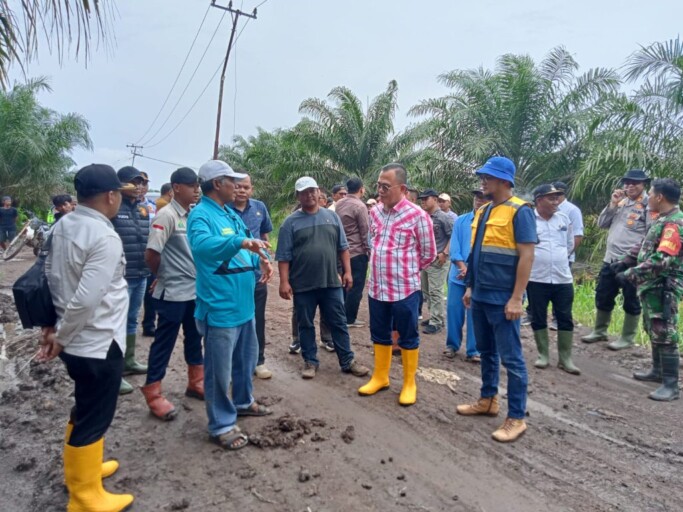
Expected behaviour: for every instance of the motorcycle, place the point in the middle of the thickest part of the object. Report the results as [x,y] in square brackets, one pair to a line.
[32,234]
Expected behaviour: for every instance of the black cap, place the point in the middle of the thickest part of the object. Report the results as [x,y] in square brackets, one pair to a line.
[477,192]
[430,192]
[545,190]
[636,175]
[184,176]
[94,179]
[144,175]
[561,186]
[128,173]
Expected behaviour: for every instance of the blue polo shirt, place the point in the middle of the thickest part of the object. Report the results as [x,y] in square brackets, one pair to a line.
[461,240]
[255,216]
[225,271]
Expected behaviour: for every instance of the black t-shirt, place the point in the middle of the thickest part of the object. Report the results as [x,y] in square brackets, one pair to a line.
[311,243]
[8,217]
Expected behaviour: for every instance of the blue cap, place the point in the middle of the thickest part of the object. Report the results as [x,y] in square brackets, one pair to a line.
[499,167]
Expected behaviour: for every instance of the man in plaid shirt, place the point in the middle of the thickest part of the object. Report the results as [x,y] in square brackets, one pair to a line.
[402,245]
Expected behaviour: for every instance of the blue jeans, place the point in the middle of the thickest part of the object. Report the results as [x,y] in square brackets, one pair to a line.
[229,357]
[331,303]
[136,294]
[456,313]
[498,340]
[400,316]
[171,316]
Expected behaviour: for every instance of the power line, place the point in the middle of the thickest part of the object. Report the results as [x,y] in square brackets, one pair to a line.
[164,161]
[175,82]
[134,150]
[168,117]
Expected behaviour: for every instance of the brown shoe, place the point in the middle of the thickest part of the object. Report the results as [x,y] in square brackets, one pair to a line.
[357,369]
[309,371]
[484,407]
[158,405]
[195,381]
[509,431]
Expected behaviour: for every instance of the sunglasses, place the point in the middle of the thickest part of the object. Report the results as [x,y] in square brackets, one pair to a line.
[384,187]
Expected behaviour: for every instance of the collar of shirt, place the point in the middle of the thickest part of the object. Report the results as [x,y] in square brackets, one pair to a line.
[90,212]
[397,208]
[178,208]
[248,206]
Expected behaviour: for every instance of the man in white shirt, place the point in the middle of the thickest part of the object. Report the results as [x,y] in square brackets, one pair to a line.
[575,218]
[551,278]
[85,270]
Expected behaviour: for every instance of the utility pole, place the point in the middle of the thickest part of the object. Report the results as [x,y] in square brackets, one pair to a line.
[133,150]
[235,13]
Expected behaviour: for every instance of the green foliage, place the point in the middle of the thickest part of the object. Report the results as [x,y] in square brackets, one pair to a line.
[35,146]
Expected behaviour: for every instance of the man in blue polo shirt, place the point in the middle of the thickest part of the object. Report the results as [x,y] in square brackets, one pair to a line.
[226,258]
[255,216]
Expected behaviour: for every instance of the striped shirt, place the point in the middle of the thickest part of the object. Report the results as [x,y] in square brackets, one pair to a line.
[402,245]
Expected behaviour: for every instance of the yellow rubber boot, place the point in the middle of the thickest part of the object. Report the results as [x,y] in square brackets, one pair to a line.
[409,392]
[380,374]
[109,467]
[83,472]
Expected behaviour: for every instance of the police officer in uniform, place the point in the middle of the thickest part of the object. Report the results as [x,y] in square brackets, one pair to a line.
[627,218]
[658,273]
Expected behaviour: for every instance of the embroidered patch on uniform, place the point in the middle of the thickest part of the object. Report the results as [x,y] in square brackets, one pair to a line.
[638,206]
[143,211]
[671,240]
[158,226]
[181,224]
[629,223]
[228,231]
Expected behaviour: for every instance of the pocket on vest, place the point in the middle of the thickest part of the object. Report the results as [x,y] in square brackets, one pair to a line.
[497,271]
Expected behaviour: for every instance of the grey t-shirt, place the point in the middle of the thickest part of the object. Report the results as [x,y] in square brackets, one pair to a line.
[168,236]
[443,227]
[311,244]
[628,223]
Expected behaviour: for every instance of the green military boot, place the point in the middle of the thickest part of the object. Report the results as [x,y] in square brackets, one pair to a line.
[541,337]
[655,373]
[628,333]
[668,391]
[602,319]
[125,387]
[564,349]
[131,366]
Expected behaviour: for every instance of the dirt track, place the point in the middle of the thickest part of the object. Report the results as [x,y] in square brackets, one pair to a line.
[595,442]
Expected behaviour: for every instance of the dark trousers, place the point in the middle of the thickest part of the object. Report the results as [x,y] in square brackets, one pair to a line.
[97,384]
[608,289]
[260,298]
[149,309]
[400,316]
[172,315]
[325,334]
[562,298]
[331,303]
[359,272]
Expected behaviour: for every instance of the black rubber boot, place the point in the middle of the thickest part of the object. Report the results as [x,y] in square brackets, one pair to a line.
[655,373]
[668,391]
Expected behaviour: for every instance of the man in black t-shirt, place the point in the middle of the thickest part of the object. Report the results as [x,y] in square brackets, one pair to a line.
[309,243]
[8,222]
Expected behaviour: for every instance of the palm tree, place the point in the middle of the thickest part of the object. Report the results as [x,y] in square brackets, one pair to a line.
[538,115]
[35,145]
[350,140]
[63,22]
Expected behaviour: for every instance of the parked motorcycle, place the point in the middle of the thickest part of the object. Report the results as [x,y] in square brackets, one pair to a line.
[32,234]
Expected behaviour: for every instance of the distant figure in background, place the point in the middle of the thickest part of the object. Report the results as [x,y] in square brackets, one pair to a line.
[62,204]
[411,195]
[8,222]
[148,305]
[444,201]
[456,313]
[165,197]
[338,192]
[150,205]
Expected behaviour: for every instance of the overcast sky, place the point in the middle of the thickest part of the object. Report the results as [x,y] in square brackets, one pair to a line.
[298,49]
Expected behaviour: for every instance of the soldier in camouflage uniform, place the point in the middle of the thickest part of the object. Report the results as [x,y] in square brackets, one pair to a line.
[657,269]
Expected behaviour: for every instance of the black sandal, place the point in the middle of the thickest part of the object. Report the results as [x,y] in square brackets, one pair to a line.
[255,409]
[227,440]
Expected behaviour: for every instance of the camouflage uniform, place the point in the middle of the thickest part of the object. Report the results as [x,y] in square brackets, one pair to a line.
[658,273]
[659,276]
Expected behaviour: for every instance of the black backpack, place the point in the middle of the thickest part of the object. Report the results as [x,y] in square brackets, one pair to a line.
[32,296]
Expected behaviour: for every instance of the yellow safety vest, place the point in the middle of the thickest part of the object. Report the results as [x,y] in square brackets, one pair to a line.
[498,255]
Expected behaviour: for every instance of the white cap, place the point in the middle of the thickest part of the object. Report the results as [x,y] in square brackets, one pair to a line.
[371,202]
[304,183]
[217,168]
[444,197]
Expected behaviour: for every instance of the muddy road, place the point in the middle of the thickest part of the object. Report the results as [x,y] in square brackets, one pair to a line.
[594,443]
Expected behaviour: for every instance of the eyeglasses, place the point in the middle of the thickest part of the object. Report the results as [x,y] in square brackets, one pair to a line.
[384,187]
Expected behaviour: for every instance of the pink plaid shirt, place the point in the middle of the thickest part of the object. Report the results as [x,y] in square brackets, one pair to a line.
[402,245]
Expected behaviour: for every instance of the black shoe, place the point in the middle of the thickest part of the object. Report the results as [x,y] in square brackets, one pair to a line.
[424,323]
[431,329]
[149,333]
[295,347]
[327,345]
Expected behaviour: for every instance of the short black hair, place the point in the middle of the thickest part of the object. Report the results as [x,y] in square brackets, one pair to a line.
[353,185]
[337,188]
[669,188]
[60,199]
[401,173]
[166,188]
